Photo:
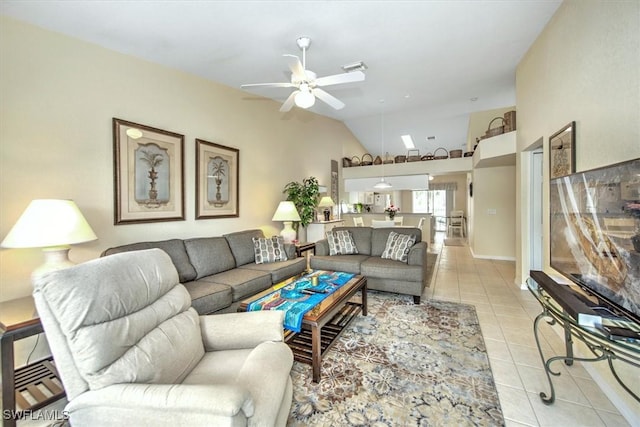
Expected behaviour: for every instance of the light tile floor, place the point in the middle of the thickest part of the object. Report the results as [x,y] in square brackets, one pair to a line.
[506,316]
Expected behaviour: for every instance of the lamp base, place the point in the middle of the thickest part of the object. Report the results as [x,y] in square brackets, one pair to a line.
[55,258]
[288,233]
[327,214]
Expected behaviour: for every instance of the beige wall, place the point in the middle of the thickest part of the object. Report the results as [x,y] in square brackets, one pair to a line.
[584,67]
[57,98]
[493,220]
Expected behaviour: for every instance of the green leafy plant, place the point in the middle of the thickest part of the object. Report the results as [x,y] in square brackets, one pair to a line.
[305,196]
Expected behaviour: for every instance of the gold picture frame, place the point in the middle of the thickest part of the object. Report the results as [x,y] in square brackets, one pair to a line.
[149,174]
[217,180]
[562,151]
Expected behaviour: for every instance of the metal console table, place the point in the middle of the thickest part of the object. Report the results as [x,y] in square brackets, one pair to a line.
[558,308]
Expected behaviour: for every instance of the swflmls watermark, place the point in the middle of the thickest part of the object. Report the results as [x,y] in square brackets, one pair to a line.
[58,417]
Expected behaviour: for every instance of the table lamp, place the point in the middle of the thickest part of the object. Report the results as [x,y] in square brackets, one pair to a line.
[288,213]
[326,202]
[52,225]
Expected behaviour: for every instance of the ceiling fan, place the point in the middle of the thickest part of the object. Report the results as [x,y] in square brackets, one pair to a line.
[308,84]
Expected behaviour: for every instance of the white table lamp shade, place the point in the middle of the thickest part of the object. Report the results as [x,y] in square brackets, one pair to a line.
[326,202]
[53,225]
[287,213]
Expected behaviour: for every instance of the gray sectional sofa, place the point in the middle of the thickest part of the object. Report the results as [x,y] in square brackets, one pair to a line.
[382,274]
[218,272]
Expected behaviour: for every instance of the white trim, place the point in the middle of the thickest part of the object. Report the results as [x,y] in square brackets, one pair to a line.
[497,258]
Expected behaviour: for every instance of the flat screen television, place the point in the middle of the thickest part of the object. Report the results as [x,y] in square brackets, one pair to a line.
[595,233]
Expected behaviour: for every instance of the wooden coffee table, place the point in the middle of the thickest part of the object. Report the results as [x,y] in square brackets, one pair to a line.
[324,323]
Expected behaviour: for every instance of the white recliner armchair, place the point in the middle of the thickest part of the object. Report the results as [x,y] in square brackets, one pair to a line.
[130,350]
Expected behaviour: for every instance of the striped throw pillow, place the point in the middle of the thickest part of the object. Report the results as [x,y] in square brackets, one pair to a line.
[269,249]
[341,243]
[397,247]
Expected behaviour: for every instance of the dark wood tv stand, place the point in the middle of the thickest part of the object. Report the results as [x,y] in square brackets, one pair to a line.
[562,305]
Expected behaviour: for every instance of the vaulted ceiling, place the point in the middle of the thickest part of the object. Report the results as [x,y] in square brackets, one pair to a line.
[431,62]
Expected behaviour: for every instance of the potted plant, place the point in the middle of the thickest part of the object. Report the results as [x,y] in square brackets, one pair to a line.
[305,196]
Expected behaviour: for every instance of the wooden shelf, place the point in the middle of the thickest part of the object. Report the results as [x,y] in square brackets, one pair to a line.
[37,385]
[300,343]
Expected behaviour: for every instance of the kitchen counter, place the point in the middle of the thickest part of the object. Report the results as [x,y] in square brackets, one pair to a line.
[408,219]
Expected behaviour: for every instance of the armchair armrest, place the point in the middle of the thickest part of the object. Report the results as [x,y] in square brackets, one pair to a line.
[241,330]
[322,247]
[224,400]
[418,254]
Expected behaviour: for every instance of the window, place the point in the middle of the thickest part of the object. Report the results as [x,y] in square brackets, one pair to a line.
[433,202]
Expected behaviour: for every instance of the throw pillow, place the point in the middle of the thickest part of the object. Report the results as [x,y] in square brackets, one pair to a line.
[398,246]
[269,249]
[341,243]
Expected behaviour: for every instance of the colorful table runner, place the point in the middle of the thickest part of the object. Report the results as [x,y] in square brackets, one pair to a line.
[298,297]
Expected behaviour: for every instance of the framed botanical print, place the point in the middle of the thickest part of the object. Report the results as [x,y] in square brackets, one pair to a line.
[562,151]
[217,180]
[149,174]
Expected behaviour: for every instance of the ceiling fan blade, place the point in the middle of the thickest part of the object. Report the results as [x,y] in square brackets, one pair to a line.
[268,85]
[288,104]
[354,76]
[296,67]
[328,98]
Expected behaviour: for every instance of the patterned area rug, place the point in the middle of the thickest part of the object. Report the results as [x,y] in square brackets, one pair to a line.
[402,365]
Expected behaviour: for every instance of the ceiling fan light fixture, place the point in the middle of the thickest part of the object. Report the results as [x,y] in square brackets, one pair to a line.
[304,98]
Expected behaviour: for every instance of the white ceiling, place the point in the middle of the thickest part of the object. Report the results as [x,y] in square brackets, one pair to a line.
[426,59]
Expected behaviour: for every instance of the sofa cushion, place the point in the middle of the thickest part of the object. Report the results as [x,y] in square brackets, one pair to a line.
[173,247]
[379,237]
[346,263]
[209,255]
[207,297]
[243,281]
[361,237]
[341,243]
[241,244]
[398,246]
[389,269]
[269,249]
[280,270]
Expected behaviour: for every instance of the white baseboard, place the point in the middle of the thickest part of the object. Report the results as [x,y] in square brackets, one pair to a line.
[495,257]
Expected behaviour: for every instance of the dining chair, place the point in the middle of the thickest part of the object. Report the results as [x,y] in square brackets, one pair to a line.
[456,222]
[397,220]
[358,221]
[421,222]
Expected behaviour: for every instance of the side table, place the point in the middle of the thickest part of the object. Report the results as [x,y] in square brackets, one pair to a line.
[304,247]
[18,320]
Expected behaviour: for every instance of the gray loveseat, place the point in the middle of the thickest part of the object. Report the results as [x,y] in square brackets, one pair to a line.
[218,272]
[382,274]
